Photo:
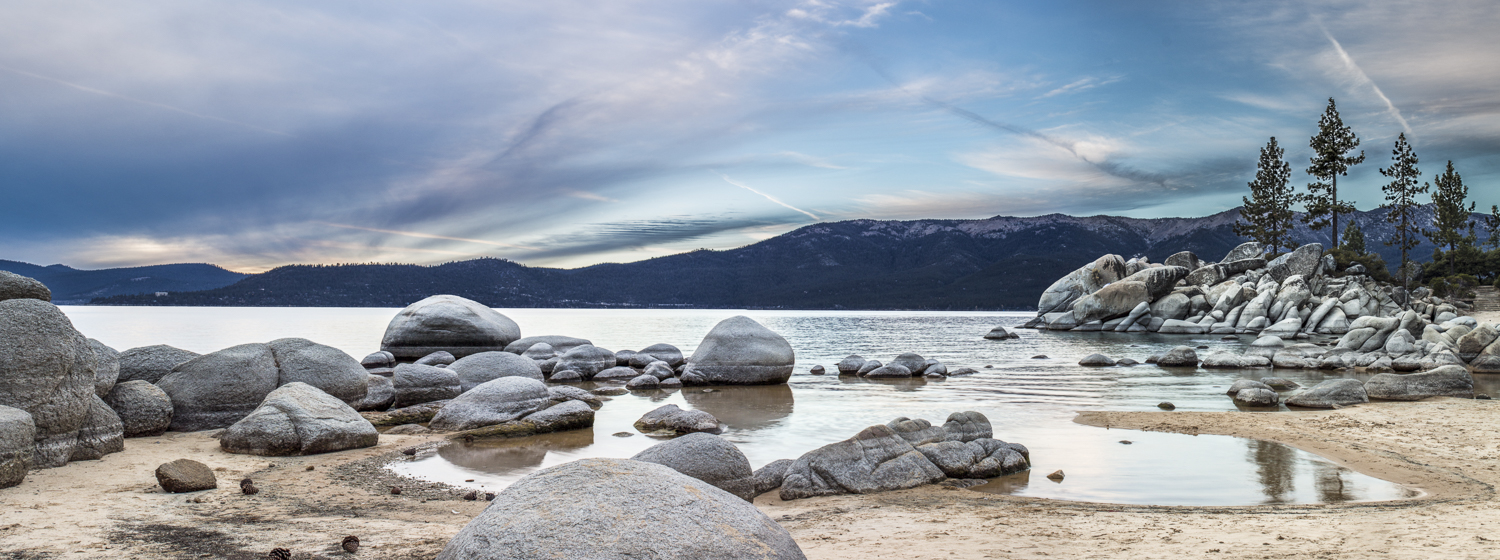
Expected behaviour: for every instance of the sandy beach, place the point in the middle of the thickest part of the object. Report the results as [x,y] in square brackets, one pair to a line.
[1447,448]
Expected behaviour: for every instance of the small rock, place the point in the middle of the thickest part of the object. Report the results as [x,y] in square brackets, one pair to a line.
[817,370]
[622,434]
[1166,406]
[471,496]
[1036,357]
[1126,441]
[409,451]
[1096,360]
[1056,476]
[185,475]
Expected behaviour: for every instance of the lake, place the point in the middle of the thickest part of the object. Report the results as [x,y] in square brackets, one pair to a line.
[1029,400]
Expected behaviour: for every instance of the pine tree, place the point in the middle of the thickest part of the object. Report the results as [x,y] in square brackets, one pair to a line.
[1333,141]
[1354,239]
[1401,199]
[1267,215]
[1492,224]
[1453,224]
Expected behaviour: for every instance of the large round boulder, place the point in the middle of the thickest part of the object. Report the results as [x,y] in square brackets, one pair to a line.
[1088,279]
[740,351]
[299,419]
[493,402]
[144,409]
[106,367]
[151,363]
[15,286]
[47,370]
[1180,356]
[444,322]
[657,353]
[476,369]
[380,393]
[586,359]
[593,508]
[17,445]
[299,360]
[851,364]
[417,384]
[216,390]
[708,458]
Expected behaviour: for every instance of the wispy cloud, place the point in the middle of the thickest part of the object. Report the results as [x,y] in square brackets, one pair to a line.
[1362,77]
[768,197]
[428,236]
[1080,85]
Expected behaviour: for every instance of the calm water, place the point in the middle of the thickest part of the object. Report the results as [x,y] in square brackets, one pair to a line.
[1030,401]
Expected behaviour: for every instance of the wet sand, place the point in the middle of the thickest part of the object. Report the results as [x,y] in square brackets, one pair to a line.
[1449,448]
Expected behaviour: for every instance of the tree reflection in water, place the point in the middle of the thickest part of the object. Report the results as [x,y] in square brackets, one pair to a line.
[1329,481]
[1276,466]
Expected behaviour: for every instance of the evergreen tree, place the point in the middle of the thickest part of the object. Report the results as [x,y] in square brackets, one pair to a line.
[1453,224]
[1354,239]
[1492,224]
[1401,199]
[1267,215]
[1333,141]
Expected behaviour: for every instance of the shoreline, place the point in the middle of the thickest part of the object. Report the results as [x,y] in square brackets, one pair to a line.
[1445,447]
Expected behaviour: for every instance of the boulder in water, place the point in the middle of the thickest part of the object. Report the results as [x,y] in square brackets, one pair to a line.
[875,460]
[592,508]
[658,352]
[740,351]
[586,359]
[851,364]
[1096,360]
[1257,397]
[493,402]
[476,369]
[451,323]
[1090,278]
[558,343]
[1180,356]
[675,419]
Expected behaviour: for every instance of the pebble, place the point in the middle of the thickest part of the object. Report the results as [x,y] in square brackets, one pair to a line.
[1039,357]
[1167,406]
[622,434]
[1126,441]
[1056,476]
[471,496]
[395,490]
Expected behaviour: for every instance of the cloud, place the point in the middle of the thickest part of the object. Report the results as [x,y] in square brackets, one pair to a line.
[769,197]
[1080,85]
[1362,77]
[612,237]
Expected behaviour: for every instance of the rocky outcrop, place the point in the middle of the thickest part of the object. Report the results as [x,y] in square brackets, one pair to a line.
[47,370]
[740,351]
[593,509]
[1090,278]
[448,323]
[15,286]
[144,409]
[299,419]
[1446,381]
[706,457]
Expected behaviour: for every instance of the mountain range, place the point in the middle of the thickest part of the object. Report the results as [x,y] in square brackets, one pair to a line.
[73,286]
[989,264]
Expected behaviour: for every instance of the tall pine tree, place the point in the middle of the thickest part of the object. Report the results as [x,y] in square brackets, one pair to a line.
[1329,160]
[1267,215]
[1401,200]
[1492,224]
[1453,224]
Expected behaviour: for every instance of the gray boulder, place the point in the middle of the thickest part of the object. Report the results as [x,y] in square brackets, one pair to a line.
[541,352]
[851,364]
[151,363]
[379,360]
[1172,306]
[657,352]
[450,323]
[1090,278]
[659,370]
[102,433]
[1266,345]
[1445,381]
[740,351]
[997,333]
[918,431]
[870,365]
[617,373]
[218,389]
[493,402]
[875,460]
[1114,300]
[1243,384]
[708,458]
[1333,393]
[1206,276]
[967,426]
[1180,356]
[106,367]
[1305,261]
[299,419]
[623,357]
[47,370]
[1257,397]
[1247,250]
[1223,359]
[15,286]
[1279,384]
[562,394]
[559,343]
[144,409]
[643,382]
[675,419]
[416,384]
[593,509]
[565,376]
[1184,259]
[1096,360]
[476,369]
[888,372]
[1159,280]
[299,360]
[17,445]
[980,458]
[586,359]
[440,358]
[185,475]
[380,393]
[1473,343]
[769,477]
[914,363]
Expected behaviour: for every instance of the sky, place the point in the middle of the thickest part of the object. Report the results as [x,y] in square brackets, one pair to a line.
[253,134]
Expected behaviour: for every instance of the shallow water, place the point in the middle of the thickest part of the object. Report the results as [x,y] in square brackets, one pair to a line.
[1030,401]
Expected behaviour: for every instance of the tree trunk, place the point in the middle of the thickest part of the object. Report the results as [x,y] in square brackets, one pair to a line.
[1335,209]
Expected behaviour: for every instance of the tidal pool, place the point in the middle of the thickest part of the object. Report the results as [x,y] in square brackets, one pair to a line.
[1029,399]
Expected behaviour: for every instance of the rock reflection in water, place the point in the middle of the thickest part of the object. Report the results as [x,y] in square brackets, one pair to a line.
[898,383]
[745,407]
[1275,466]
[502,455]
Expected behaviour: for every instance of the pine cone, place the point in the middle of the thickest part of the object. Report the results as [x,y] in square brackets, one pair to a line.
[471,496]
[395,490]
[351,544]
[247,486]
[279,554]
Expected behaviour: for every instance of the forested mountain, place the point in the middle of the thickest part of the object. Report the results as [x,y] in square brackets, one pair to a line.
[997,263]
[70,285]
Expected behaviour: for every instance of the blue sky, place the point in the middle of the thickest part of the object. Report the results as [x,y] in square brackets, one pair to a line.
[256,133]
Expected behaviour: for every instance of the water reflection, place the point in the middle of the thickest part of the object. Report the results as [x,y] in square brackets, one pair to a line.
[1275,465]
[500,455]
[897,383]
[743,408]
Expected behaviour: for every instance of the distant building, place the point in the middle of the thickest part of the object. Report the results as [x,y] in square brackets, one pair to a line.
[160,294]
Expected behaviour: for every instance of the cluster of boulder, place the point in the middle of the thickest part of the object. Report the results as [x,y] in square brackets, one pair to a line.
[1294,295]
[1445,381]
[903,366]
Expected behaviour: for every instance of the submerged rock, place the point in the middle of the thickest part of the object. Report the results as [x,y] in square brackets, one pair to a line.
[1096,360]
[675,419]
[493,402]
[593,509]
